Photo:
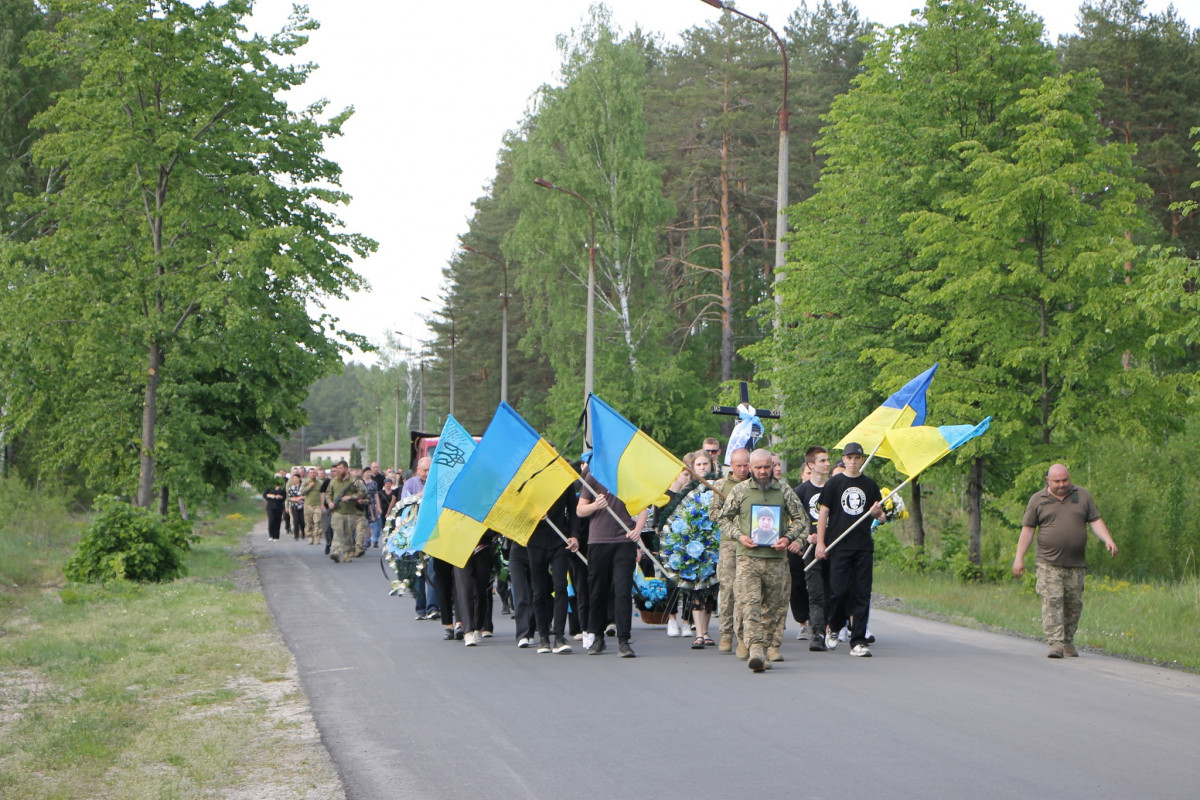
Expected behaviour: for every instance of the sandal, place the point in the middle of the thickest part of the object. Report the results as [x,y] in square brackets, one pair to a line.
[708,642]
[698,643]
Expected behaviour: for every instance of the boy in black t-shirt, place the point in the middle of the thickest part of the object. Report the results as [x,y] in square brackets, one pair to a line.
[844,500]
[800,554]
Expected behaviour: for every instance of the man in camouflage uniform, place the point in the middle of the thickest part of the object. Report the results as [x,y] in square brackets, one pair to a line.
[362,531]
[311,489]
[1060,514]
[760,589]
[739,464]
[343,495]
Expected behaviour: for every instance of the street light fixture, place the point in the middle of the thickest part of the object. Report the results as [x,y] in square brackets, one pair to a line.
[589,358]
[503,322]
[450,317]
[781,188]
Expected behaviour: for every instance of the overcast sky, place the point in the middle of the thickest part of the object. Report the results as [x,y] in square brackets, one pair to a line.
[436,85]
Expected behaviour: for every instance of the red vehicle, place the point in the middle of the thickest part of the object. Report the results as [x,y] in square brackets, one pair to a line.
[423,444]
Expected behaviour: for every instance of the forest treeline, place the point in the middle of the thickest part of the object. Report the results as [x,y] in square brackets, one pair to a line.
[962,191]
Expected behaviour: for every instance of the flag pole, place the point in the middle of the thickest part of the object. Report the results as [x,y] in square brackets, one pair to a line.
[833,544]
[873,452]
[641,545]
[563,536]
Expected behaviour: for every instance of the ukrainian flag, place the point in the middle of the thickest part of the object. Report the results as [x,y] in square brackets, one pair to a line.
[630,464]
[454,448]
[903,409]
[913,450]
[507,485]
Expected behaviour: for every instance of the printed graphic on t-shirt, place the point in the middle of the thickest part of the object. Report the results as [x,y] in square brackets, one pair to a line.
[814,506]
[854,501]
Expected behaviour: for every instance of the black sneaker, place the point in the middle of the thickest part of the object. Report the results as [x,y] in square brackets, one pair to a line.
[625,651]
[597,646]
[458,632]
[544,644]
[560,645]
[448,635]
[817,645]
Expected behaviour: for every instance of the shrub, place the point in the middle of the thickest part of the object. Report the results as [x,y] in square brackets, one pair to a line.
[130,544]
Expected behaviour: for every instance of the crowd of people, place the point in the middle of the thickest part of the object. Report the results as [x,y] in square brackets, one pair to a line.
[342,508]
[737,543]
[573,583]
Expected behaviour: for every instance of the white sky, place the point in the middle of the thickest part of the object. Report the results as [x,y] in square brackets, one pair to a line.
[436,85]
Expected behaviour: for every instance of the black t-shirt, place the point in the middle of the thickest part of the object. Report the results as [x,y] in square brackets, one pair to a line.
[848,499]
[810,497]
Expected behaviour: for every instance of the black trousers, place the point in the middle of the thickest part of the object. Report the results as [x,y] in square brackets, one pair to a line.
[610,572]
[578,613]
[799,598]
[850,576]
[520,578]
[274,517]
[297,515]
[443,577]
[819,609]
[548,573]
[473,589]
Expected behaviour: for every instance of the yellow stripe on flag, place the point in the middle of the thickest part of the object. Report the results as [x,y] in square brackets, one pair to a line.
[912,450]
[455,537]
[644,473]
[869,432]
[522,504]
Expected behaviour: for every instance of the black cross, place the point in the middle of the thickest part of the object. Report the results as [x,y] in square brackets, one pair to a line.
[744,393]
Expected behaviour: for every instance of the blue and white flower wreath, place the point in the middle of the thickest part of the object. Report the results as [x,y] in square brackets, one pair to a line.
[690,543]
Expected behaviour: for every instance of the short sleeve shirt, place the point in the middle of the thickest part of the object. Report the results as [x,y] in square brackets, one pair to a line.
[847,500]
[1061,525]
[603,529]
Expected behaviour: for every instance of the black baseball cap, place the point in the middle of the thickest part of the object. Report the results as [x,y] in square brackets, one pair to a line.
[852,449]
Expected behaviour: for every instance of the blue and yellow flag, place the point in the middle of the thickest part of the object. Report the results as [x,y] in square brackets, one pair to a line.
[630,464]
[903,409]
[508,484]
[913,450]
[453,449]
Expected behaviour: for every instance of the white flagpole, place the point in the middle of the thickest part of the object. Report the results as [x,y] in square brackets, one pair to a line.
[833,544]
[627,529]
[563,536]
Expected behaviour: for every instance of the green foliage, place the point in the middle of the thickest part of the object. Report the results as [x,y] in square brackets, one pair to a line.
[355,457]
[33,527]
[127,543]
[156,328]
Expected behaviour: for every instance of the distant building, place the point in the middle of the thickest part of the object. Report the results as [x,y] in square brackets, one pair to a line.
[336,450]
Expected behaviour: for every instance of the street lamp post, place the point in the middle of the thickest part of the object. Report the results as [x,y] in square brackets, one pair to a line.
[589,358]
[503,322]
[781,188]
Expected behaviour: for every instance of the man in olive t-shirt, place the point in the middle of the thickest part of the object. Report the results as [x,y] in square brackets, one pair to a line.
[1060,514]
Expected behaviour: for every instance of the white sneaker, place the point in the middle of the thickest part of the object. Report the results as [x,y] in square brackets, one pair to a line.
[844,634]
[803,634]
[469,639]
[831,640]
[524,642]
[672,628]
[860,650]
[587,640]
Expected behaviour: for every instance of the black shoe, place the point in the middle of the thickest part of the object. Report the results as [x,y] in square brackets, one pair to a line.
[458,632]
[448,635]
[597,646]
[624,650]
[817,645]
[544,645]
[326,551]
[561,645]
[433,614]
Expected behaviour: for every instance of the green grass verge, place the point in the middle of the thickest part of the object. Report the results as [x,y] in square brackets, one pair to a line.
[177,690]
[1147,621]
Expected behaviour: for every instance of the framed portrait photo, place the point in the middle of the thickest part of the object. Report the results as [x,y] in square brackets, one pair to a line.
[764,524]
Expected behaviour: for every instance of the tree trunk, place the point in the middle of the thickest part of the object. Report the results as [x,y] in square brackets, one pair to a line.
[145,493]
[974,510]
[917,515]
[726,264]
[164,498]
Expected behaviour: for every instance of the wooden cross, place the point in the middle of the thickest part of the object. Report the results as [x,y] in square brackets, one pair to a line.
[744,405]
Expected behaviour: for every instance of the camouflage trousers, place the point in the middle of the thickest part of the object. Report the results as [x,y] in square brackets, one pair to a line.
[343,534]
[730,624]
[762,599]
[361,531]
[1061,590]
[312,524]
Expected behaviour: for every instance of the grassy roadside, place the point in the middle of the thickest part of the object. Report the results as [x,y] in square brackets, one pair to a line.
[180,690]
[1147,621]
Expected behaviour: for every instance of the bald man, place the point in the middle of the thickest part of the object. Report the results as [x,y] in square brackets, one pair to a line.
[1060,514]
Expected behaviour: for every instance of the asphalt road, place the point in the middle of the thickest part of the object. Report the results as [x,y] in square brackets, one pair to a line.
[938,712]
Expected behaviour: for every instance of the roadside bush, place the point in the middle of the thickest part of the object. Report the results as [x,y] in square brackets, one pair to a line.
[130,544]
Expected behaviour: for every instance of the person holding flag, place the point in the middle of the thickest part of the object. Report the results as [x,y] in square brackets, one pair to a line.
[843,502]
[612,554]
